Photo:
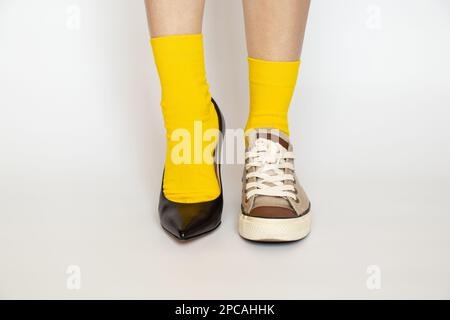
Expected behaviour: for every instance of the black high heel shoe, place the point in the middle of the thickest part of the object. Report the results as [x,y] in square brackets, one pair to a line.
[189,220]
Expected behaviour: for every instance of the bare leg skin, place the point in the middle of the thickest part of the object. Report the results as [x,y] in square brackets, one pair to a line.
[174,17]
[275,29]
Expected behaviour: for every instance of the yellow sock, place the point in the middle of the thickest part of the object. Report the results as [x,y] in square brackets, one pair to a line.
[187,107]
[271,87]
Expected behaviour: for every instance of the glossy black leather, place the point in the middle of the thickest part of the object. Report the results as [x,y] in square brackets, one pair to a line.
[188,220]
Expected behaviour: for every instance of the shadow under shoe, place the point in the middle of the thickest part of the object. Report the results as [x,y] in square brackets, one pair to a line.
[188,220]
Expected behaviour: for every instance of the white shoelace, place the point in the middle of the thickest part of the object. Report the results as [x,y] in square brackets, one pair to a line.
[269,160]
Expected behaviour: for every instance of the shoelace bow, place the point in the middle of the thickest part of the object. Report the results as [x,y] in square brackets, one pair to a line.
[269,160]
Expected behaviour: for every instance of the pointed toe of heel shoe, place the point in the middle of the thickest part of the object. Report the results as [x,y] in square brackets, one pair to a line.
[185,221]
[189,220]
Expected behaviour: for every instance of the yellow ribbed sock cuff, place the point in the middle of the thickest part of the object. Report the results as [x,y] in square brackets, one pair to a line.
[186,106]
[272,85]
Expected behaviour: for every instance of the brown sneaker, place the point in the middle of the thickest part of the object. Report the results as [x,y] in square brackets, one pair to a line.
[275,207]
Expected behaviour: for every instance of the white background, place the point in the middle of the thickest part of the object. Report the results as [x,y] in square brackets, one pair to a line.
[82,144]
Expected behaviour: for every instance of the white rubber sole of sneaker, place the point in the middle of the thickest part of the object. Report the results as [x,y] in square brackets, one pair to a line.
[274,230]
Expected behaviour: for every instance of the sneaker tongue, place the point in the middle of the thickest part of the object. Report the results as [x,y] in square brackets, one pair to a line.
[269,134]
[283,139]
